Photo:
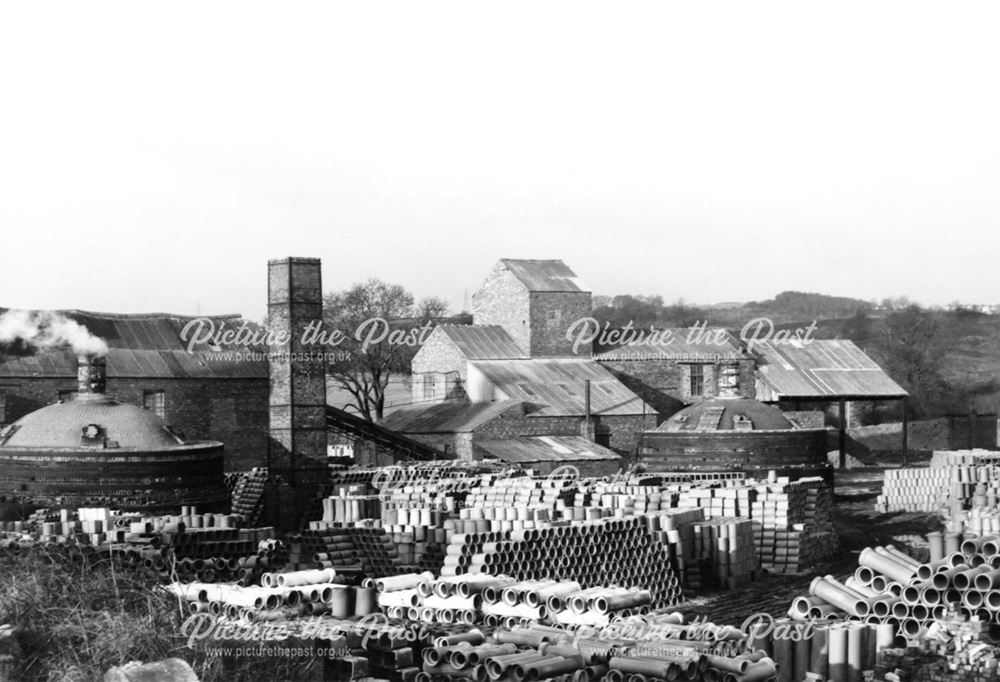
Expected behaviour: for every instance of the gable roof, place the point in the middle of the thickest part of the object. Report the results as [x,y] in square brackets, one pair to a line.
[544,275]
[449,416]
[556,385]
[526,449]
[820,368]
[677,344]
[482,342]
[145,345]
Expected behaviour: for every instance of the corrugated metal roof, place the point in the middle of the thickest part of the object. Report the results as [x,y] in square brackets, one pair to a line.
[679,345]
[147,345]
[820,368]
[556,385]
[525,449]
[123,362]
[544,275]
[482,342]
[450,416]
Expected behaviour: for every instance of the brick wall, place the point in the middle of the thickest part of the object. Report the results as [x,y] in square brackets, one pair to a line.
[622,431]
[717,450]
[233,411]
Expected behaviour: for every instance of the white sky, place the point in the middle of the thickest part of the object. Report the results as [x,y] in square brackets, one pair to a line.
[152,158]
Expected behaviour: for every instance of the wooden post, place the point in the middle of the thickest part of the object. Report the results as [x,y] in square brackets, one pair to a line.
[843,433]
[906,435]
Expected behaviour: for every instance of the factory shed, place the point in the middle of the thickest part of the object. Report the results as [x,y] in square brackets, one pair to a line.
[545,454]
[798,374]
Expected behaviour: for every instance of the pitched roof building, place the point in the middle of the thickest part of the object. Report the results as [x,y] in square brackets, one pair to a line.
[515,372]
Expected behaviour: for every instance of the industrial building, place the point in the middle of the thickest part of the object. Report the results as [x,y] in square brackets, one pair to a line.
[90,450]
[515,372]
[200,391]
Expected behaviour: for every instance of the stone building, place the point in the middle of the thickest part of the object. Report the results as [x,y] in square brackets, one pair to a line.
[515,373]
[535,302]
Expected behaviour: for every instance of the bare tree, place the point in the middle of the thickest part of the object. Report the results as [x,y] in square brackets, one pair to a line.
[378,309]
[431,308]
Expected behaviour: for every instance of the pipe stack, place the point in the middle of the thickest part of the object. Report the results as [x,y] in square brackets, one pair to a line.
[248,494]
[952,482]
[604,552]
[349,505]
[279,596]
[795,524]
[349,550]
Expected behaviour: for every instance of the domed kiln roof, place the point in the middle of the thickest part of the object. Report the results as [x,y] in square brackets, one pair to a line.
[88,421]
[727,414]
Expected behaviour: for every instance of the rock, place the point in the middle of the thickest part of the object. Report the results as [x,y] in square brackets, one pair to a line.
[167,670]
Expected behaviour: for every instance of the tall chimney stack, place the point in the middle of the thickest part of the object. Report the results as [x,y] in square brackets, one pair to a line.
[91,372]
[297,443]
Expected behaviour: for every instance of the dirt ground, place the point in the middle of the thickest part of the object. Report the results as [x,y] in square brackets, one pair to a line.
[858,525]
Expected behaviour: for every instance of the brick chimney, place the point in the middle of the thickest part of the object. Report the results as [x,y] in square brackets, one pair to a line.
[91,373]
[297,425]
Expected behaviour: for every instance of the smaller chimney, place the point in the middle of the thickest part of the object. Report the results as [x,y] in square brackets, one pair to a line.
[587,428]
[90,375]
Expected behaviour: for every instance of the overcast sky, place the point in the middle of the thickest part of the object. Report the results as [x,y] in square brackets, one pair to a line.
[152,158]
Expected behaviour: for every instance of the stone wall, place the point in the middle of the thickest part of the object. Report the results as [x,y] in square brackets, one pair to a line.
[440,370]
[502,300]
[552,316]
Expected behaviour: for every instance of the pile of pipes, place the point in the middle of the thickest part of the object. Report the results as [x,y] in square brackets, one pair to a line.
[953,651]
[351,504]
[527,492]
[538,652]
[728,501]
[892,595]
[248,494]
[278,596]
[794,524]
[659,647]
[722,555]
[597,553]
[952,482]
[354,550]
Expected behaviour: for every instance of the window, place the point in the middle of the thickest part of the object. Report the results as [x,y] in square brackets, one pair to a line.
[3,407]
[696,380]
[729,380]
[155,402]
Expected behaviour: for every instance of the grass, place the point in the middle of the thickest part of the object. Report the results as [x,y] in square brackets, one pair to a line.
[78,614]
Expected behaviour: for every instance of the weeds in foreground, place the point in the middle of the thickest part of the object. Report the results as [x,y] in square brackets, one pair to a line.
[78,614]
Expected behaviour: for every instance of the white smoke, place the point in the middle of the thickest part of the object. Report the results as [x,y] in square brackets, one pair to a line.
[48,330]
